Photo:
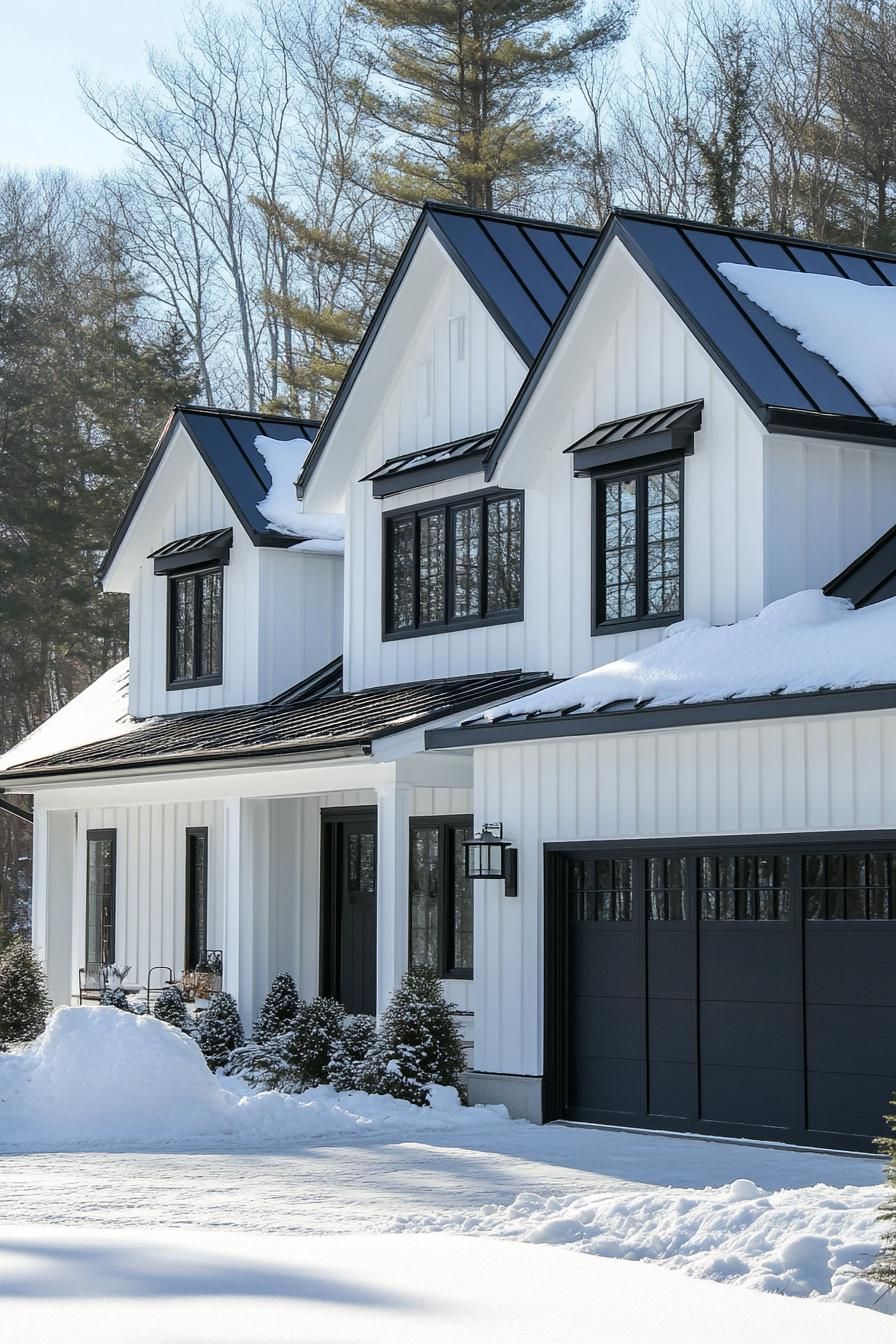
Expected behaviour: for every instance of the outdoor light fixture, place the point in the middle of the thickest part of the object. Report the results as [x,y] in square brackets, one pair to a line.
[490,857]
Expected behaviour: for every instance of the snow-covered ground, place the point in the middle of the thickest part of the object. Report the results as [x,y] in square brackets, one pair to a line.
[194,1152]
[77,1287]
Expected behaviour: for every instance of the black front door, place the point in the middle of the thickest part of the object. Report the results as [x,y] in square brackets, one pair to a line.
[348,924]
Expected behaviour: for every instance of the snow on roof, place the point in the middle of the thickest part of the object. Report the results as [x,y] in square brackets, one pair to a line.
[281,506]
[851,325]
[805,642]
[100,712]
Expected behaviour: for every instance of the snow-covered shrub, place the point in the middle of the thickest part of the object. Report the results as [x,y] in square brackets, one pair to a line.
[278,1010]
[170,1007]
[115,997]
[309,1044]
[24,1002]
[354,1061]
[884,1268]
[419,1041]
[219,1031]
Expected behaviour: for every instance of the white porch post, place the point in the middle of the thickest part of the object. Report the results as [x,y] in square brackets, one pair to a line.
[245,884]
[393,815]
[53,899]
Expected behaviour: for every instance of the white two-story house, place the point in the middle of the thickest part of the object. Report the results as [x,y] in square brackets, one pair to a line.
[354,645]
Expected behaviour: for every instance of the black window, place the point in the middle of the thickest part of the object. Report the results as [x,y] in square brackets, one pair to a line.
[602,889]
[457,563]
[441,898]
[850,885]
[196,898]
[100,941]
[667,889]
[744,887]
[638,547]
[195,627]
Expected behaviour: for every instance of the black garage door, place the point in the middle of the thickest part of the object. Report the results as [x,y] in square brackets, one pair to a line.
[731,991]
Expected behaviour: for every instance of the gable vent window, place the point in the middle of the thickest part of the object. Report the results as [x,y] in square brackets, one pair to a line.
[195,627]
[455,564]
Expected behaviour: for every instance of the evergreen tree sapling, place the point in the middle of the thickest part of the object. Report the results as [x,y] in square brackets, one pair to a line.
[170,1007]
[278,1010]
[884,1268]
[310,1045]
[219,1030]
[354,1061]
[419,1040]
[115,997]
[24,1001]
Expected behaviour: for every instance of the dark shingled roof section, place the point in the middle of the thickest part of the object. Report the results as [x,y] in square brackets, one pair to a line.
[324,724]
[226,442]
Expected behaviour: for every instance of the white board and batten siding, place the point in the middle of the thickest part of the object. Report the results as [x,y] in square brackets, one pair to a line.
[282,610]
[795,776]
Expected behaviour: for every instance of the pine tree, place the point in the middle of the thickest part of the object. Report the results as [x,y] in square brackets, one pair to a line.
[24,1002]
[419,1040]
[463,92]
[219,1030]
[278,1010]
[309,1046]
[353,1065]
[170,1007]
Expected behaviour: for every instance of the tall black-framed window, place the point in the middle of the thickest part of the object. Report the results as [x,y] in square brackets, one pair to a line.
[441,897]
[100,930]
[196,942]
[195,627]
[455,563]
[638,548]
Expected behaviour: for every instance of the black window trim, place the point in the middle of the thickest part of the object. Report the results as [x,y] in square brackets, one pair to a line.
[173,683]
[101,833]
[189,893]
[446,506]
[443,823]
[600,625]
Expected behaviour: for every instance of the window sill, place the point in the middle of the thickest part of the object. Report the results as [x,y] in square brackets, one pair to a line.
[468,623]
[636,623]
[191,685]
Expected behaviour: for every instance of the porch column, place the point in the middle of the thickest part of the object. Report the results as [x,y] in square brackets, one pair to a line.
[393,816]
[53,900]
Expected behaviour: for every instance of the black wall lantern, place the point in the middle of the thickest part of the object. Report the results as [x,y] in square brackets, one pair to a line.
[488,856]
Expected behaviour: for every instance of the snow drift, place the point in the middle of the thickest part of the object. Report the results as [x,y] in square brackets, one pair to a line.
[801,643]
[851,325]
[100,1076]
[284,459]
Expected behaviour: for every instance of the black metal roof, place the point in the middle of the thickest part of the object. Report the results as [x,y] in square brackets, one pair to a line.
[523,270]
[314,723]
[870,578]
[789,388]
[226,442]
[671,429]
[429,464]
[221,537]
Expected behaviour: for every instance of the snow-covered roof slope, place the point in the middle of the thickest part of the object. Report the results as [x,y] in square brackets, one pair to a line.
[851,325]
[806,642]
[281,506]
[100,712]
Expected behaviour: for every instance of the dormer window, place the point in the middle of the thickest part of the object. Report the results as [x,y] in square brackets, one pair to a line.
[194,568]
[453,564]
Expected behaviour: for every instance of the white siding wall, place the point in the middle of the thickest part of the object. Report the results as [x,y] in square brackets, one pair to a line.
[825,503]
[806,775]
[300,616]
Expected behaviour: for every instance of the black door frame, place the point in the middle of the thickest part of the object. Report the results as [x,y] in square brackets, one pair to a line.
[556,939]
[330,820]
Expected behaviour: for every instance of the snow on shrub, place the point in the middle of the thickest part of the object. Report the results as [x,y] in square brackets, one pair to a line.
[884,1269]
[219,1030]
[24,1001]
[170,1007]
[278,1010]
[353,1065]
[419,1041]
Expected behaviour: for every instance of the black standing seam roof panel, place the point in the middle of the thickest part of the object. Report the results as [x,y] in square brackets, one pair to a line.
[767,255]
[859,268]
[815,262]
[556,254]
[818,379]
[244,478]
[496,277]
[532,270]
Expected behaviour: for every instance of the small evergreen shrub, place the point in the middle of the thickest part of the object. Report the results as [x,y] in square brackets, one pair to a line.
[884,1268]
[419,1040]
[310,1043]
[169,1007]
[278,1010]
[219,1030]
[115,997]
[353,1065]
[24,1002]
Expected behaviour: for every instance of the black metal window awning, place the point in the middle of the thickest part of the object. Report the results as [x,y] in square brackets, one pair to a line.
[649,436]
[439,463]
[205,548]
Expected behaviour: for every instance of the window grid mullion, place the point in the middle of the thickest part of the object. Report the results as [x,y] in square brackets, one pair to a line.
[641,533]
